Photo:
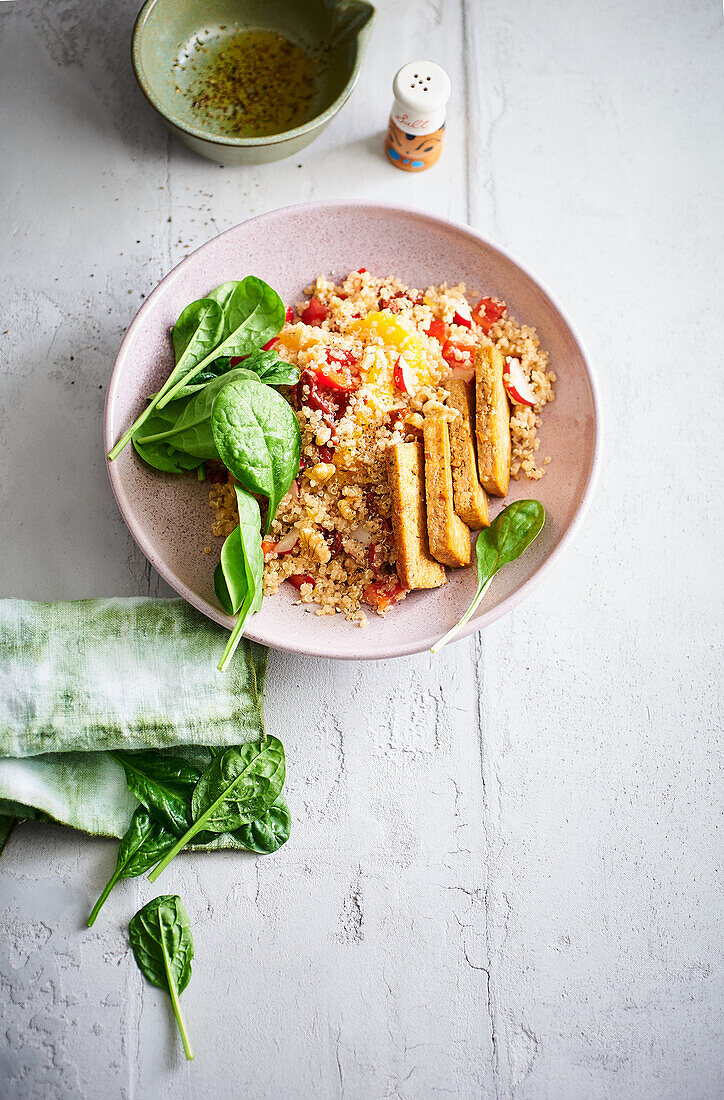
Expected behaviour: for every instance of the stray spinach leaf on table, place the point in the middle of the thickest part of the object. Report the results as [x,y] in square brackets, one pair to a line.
[163,947]
[267,833]
[258,439]
[146,841]
[238,787]
[510,533]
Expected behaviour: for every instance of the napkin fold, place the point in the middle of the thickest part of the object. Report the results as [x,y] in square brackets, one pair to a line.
[82,677]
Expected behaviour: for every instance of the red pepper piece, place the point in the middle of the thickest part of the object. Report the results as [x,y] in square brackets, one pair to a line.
[488,312]
[314,312]
[458,353]
[382,594]
[289,315]
[298,579]
[437,329]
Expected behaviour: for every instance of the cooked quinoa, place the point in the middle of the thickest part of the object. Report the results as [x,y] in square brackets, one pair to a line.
[332,533]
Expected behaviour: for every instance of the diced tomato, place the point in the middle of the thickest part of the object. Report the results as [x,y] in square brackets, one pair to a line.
[270,343]
[488,312]
[289,315]
[371,501]
[335,542]
[459,353]
[458,319]
[382,594]
[314,312]
[267,546]
[298,579]
[335,374]
[437,329]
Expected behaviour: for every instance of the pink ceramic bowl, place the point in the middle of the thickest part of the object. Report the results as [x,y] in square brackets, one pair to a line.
[169,516]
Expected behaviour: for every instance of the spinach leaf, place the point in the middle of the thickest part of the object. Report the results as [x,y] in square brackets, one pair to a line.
[185,424]
[238,576]
[162,456]
[266,365]
[258,439]
[194,335]
[163,947]
[253,313]
[264,835]
[163,784]
[510,533]
[242,558]
[145,842]
[267,833]
[271,369]
[237,787]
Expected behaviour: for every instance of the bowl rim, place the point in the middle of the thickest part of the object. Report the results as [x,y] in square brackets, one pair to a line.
[198,132]
[384,652]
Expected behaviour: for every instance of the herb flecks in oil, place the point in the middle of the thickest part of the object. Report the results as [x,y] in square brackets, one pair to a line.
[251,84]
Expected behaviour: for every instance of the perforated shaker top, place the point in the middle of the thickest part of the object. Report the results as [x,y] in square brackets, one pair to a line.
[421,90]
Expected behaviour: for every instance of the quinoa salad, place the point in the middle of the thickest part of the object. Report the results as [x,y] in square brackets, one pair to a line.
[381,365]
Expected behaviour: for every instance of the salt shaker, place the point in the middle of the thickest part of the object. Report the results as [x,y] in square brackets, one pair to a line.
[417,122]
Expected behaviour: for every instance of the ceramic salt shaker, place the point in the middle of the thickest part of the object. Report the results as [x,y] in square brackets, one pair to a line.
[417,122]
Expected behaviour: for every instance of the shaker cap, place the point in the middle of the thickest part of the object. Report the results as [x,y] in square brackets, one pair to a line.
[421,90]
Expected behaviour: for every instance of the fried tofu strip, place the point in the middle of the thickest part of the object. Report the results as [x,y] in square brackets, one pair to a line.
[492,422]
[415,567]
[449,537]
[471,503]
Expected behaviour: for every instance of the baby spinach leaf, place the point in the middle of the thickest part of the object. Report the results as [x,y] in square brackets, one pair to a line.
[162,456]
[271,369]
[145,842]
[238,576]
[253,313]
[242,558]
[236,788]
[266,365]
[163,783]
[510,533]
[163,947]
[264,835]
[258,439]
[187,422]
[267,833]
[194,335]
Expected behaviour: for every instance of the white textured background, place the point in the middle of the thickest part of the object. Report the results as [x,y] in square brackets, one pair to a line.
[504,875]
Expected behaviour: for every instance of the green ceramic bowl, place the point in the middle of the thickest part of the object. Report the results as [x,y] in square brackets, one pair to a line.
[171,38]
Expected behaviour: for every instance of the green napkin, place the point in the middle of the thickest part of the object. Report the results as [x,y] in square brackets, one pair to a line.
[79,678]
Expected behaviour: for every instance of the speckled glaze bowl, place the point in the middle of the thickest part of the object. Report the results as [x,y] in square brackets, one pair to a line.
[337,29]
[170,516]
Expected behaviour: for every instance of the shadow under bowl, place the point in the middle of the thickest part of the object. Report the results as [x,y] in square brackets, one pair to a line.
[175,43]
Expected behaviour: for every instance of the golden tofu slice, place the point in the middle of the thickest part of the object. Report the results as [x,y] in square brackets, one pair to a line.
[405,473]
[492,421]
[471,503]
[449,537]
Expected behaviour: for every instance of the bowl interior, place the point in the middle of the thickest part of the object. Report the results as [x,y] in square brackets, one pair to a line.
[170,516]
[176,42]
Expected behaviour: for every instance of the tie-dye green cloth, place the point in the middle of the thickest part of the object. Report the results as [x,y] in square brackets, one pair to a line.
[82,677]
